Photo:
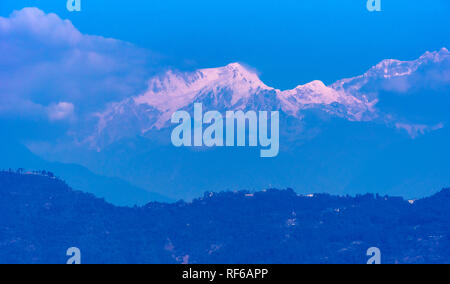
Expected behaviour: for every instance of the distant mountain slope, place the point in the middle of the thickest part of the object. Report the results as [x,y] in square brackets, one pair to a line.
[114,190]
[337,157]
[42,217]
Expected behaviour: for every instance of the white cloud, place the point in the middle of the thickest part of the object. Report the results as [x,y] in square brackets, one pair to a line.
[416,130]
[46,62]
[60,111]
[34,22]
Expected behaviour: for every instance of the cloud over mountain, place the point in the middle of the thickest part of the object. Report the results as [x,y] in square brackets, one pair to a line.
[50,69]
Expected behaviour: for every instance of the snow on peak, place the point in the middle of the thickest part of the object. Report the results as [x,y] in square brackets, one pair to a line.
[235,74]
[238,67]
[173,91]
[435,56]
[317,94]
[395,68]
[314,92]
[314,86]
[391,68]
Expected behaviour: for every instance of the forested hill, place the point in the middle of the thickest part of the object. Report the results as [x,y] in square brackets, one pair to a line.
[41,217]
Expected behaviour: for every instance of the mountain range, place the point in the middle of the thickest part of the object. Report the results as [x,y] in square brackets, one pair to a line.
[113,190]
[236,87]
[381,132]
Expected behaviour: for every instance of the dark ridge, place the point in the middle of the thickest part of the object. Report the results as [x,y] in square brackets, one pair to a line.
[41,217]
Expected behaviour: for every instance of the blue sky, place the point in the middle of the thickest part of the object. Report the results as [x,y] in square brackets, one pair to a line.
[288,41]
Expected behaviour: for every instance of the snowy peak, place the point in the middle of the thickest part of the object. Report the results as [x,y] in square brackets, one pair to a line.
[236,71]
[317,95]
[231,86]
[395,68]
[390,69]
[173,91]
[312,93]
[234,75]
[436,56]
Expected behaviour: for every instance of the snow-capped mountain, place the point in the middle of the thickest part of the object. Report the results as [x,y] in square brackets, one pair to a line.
[236,87]
[391,69]
[227,88]
[385,131]
[230,87]
[317,95]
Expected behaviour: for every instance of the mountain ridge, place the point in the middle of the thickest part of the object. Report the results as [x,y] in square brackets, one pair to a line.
[115,190]
[235,87]
[43,217]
